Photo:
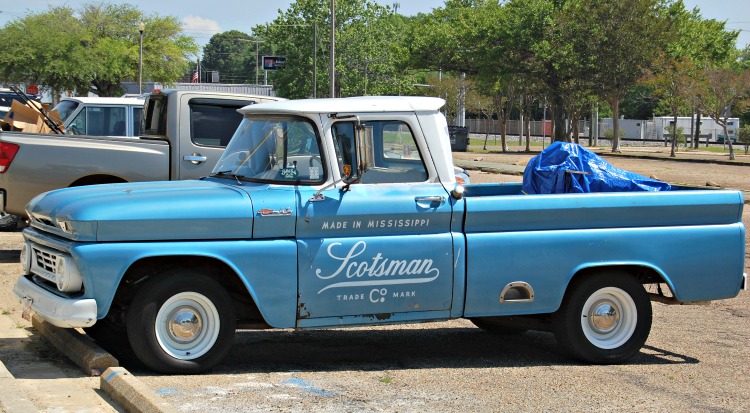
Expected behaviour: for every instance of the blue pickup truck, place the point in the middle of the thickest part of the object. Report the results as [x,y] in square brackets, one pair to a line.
[347,212]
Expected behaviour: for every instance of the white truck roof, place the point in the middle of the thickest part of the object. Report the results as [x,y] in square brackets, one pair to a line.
[95,100]
[361,104]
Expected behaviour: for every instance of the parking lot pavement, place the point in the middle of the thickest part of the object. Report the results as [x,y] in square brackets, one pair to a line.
[39,378]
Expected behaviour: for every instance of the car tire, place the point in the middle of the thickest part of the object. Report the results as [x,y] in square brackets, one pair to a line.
[604,318]
[181,323]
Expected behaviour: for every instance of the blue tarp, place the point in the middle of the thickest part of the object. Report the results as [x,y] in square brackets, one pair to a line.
[567,167]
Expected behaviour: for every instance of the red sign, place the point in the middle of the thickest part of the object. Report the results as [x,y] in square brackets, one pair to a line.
[32,89]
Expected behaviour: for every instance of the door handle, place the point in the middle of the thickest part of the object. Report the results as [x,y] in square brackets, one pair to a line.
[195,158]
[430,199]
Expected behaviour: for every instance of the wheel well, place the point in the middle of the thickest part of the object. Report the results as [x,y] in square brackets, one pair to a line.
[247,311]
[644,275]
[97,179]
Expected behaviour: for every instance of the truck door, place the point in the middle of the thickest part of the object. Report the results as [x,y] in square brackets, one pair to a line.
[381,249]
[206,125]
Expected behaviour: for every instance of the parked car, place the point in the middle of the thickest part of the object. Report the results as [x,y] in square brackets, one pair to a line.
[185,134]
[7,97]
[97,116]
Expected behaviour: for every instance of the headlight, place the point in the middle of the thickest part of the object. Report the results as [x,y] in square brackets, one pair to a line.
[67,277]
[26,257]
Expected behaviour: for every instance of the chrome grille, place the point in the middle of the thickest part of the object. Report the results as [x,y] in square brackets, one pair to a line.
[44,262]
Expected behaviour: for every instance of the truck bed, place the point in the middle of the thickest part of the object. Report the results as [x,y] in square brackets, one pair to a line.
[544,239]
[45,162]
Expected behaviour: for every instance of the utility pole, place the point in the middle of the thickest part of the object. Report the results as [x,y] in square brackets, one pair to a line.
[332,66]
[315,60]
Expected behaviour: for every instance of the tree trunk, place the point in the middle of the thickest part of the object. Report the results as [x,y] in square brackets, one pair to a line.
[672,153]
[501,124]
[528,134]
[557,119]
[615,103]
[727,140]
[697,141]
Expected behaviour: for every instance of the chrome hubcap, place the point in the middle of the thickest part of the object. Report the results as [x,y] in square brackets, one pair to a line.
[185,324]
[609,318]
[604,317]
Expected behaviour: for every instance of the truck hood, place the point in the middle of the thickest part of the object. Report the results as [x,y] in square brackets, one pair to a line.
[145,211]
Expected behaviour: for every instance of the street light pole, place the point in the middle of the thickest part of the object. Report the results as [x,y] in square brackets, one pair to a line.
[141,29]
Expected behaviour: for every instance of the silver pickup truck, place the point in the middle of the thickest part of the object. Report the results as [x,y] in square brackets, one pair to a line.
[184,134]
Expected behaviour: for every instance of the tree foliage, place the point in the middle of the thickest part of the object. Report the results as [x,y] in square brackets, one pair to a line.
[723,87]
[233,55]
[370,51]
[93,49]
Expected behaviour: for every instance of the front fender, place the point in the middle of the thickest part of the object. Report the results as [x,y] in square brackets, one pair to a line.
[267,269]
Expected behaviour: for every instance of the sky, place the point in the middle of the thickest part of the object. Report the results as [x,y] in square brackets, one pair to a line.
[202,19]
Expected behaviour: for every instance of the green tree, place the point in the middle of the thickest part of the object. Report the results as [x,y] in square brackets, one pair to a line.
[622,38]
[744,62]
[743,137]
[639,102]
[93,49]
[722,89]
[692,42]
[232,54]
[448,38]
[370,51]
[671,78]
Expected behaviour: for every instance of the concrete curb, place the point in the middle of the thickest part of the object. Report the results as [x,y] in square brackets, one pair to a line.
[82,351]
[130,393]
[11,396]
[124,388]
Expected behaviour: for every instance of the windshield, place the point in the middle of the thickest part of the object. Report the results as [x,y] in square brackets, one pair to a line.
[274,150]
[66,108]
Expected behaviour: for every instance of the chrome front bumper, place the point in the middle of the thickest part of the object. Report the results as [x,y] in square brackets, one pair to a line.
[59,311]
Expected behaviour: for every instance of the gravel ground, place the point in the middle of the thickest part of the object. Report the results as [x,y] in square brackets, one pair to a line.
[696,358]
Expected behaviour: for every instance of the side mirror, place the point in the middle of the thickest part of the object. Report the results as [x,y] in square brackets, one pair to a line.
[458,192]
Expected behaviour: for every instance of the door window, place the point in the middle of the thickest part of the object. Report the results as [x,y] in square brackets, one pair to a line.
[397,158]
[100,121]
[214,122]
[137,112]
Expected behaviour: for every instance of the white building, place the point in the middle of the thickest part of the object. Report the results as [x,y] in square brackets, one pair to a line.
[660,127]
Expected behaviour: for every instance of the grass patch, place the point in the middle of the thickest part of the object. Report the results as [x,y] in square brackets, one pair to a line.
[386,379]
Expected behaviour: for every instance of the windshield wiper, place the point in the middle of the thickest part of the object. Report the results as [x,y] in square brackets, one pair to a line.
[229,173]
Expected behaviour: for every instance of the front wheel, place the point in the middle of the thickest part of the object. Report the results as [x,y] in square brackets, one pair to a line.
[181,323]
[604,319]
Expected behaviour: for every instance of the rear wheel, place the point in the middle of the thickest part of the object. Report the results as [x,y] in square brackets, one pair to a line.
[183,322]
[604,319]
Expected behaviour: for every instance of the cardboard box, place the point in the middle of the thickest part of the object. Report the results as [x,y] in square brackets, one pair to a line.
[23,118]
